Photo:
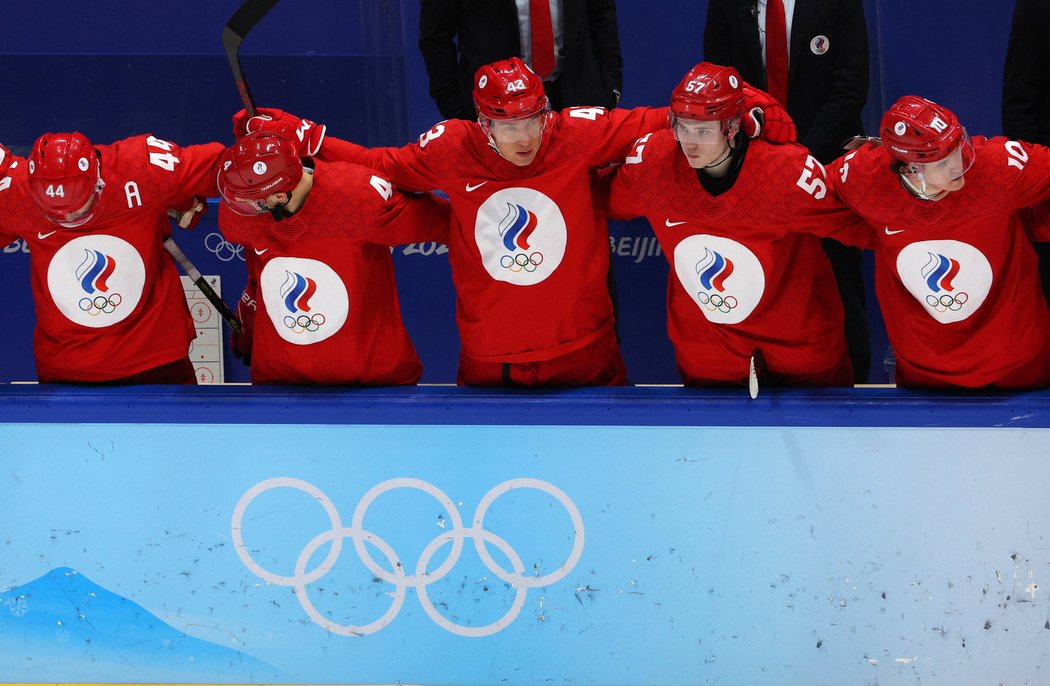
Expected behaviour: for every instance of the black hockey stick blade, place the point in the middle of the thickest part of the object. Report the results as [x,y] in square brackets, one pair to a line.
[243,20]
[195,276]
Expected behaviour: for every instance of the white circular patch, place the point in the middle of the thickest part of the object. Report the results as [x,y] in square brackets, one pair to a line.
[306,300]
[950,279]
[724,278]
[819,45]
[32,167]
[96,281]
[733,81]
[82,164]
[521,236]
[899,128]
[482,81]
[259,167]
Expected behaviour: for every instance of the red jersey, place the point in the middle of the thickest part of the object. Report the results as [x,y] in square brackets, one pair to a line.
[109,301]
[528,246]
[740,279]
[328,310]
[956,278]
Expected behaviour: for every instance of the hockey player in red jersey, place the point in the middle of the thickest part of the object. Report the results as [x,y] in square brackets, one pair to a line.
[110,307]
[319,236]
[723,208]
[955,273]
[528,241]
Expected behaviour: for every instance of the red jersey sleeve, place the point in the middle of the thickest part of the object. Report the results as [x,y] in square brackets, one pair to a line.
[420,166]
[181,173]
[622,187]
[611,133]
[15,204]
[818,208]
[393,217]
[843,224]
[1036,220]
[237,229]
[1023,167]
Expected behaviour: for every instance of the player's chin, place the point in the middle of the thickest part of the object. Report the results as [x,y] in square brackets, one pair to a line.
[955,184]
[523,158]
[697,161]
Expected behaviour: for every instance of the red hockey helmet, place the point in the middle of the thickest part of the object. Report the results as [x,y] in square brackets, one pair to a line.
[64,178]
[709,92]
[917,130]
[508,90]
[929,143]
[258,165]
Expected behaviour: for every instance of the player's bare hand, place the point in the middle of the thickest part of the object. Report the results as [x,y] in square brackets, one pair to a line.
[305,134]
[187,214]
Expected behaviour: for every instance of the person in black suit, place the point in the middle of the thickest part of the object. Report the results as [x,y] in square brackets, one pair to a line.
[827,88]
[1026,91]
[457,37]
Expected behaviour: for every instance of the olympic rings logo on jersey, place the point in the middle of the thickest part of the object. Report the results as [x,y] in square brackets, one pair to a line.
[947,302]
[521,236]
[522,262]
[950,279]
[100,304]
[711,261]
[222,248]
[714,302]
[97,280]
[304,322]
[395,571]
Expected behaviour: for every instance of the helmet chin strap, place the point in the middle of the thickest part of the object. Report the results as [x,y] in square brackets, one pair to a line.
[920,192]
[729,151]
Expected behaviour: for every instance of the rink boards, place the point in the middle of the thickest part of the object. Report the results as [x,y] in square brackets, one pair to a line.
[463,536]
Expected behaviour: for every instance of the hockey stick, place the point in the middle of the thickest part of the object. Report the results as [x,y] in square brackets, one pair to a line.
[756,373]
[224,310]
[242,21]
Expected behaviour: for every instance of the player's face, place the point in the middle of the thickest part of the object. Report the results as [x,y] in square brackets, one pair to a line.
[946,175]
[518,140]
[250,207]
[702,141]
[80,217]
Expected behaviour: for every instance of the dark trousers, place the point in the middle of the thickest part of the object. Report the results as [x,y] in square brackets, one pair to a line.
[849,275]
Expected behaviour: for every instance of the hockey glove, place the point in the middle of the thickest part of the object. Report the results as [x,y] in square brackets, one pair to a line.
[306,135]
[764,117]
[187,214]
[241,343]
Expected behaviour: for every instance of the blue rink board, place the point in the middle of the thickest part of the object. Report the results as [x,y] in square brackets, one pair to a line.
[589,536]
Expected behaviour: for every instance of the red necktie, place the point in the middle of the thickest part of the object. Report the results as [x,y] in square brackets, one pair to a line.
[776,51]
[542,37]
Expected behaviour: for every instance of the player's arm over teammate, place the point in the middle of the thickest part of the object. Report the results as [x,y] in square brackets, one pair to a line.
[427,163]
[8,234]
